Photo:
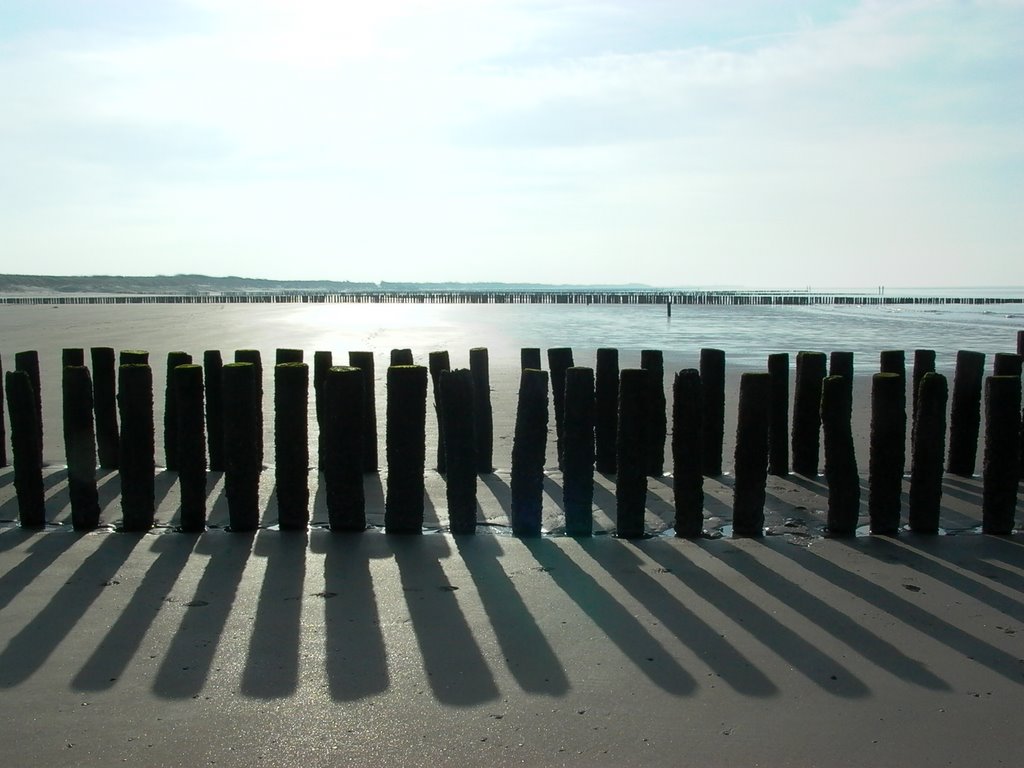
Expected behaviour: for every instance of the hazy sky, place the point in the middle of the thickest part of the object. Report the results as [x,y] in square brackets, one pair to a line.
[670,142]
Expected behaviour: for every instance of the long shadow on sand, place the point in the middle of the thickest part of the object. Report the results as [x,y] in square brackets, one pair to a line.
[43,551]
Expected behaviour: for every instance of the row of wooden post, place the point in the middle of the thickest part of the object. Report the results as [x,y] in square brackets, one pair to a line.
[623,432]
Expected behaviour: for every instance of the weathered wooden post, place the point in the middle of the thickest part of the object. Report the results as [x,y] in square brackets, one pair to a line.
[631,480]
[965,413]
[887,454]
[174,359]
[929,450]
[282,356]
[401,357]
[840,461]
[687,469]
[406,448]
[559,361]
[291,445]
[1020,343]
[80,447]
[578,457]
[343,448]
[751,461]
[810,372]
[483,417]
[924,362]
[778,422]
[1006,364]
[461,458]
[253,357]
[104,385]
[138,464]
[529,357]
[840,363]
[712,381]
[1000,466]
[187,383]
[606,404]
[241,446]
[364,362]
[528,450]
[133,357]
[28,362]
[323,360]
[72,356]
[3,430]
[213,367]
[438,362]
[25,453]
[652,361]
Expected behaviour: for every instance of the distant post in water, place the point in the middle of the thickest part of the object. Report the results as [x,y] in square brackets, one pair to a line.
[712,380]
[138,464]
[29,363]
[174,359]
[188,389]
[965,413]
[241,446]
[364,362]
[778,423]
[810,372]
[578,457]
[406,448]
[529,357]
[631,480]
[291,444]
[80,447]
[687,469]
[606,403]
[559,361]
[887,459]
[1000,466]
[652,361]
[458,416]
[437,363]
[751,462]
[528,451]
[213,376]
[253,357]
[27,459]
[929,442]
[840,461]
[343,448]
[483,417]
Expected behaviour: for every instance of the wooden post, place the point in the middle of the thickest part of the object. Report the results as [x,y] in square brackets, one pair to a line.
[1000,467]
[343,448]
[751,461]
[25,453]
[652,361]
[483,418]
[631,480]
[401,357]
[3,430]
[841,364]
[213,367]
[253,357]
[840,461]
[72,356]
[291,445]
[458,415]
[323,360]
[133,357]
[578,457]
[606,403]
[929,450]
[559,361]
[174,359]
[282,356]
[887,458]
[104,383]
[810,372]
[528,450]
[438,362]
[29,363]
[924,362]
[687,469]
[241,446]
[1020,343]
[1006,364]
[80,447]
[778,423]
[406,448]
[138,464]
[712,380]
[965,413]
[364,362]
[187,384]
[529,357]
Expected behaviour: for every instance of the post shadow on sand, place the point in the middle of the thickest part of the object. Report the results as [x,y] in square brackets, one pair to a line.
[122,641]
[906,611]
[529,656]
[621,563]
[455,667]
[840,625]
[355,656]
[272,665]
[31,647]
[612,618]
[43,551]
[814,664]
[186,666]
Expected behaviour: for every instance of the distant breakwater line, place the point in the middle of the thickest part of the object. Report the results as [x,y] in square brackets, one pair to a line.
[682,298]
